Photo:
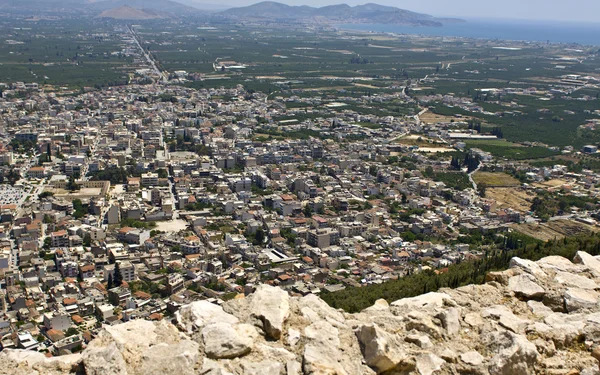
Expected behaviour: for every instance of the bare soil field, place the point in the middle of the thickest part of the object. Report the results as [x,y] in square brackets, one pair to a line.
[492,179]
[554,229]
[432,118]
[514,198]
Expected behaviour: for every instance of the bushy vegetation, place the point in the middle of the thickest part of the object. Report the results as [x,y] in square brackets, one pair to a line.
[354,299]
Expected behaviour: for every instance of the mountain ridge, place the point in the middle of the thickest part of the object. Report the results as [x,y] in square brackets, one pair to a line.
[365,13]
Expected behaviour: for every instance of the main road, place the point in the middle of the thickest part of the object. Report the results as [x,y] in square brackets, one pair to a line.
[164,76]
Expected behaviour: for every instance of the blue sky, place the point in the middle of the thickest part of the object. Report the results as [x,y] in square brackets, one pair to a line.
[564,10]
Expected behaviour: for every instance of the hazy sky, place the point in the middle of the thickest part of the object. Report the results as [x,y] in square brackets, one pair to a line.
[568,10]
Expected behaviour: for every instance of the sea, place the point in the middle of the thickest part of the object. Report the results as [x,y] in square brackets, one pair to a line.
[587,34]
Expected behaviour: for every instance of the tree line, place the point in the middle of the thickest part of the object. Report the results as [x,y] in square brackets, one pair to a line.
[355,299]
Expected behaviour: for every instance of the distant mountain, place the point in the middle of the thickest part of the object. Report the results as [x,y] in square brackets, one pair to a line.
[160,6]
[199,4]
[367,13]
[129,13]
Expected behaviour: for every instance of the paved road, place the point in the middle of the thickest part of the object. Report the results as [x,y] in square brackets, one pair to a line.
[149,59]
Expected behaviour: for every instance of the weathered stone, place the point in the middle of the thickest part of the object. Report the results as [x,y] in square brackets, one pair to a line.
[524,287]
[448,355]
[429,300]
[211,367]
[164,358]
[322,350]
[104,360]
[293,337]
[472,358]
[293,368]
[539,309]
[589,261]
[580,299]
[450,320]
[271,307]
[380,349]
[262,368]
[513,354]
[200,313]
[422,323]
[421,341]
[428,364]
[574,280]
[527,266]
[506,318]
[221,340]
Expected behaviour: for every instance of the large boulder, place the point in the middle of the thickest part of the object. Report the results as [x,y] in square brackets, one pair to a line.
[425,301]
[429,364]
[380,349]
[589,261]
[514,354]
[450,320]
[524,286]
[573,280]
[270,307]
[580,299]
[179,358]
[100,360]
[528,266]
[322,351]
[200,313]
[222,340]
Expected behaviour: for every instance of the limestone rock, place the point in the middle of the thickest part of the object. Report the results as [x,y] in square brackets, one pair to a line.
[421,341]
[514,354]
[429,300]
[579,299]
[472,358]
[221,340]
[197,314]
[321,352]
[271,307]
[506,318]
[262,368]
[104,360]
[422,323]
[450,320]
[574,280]
[528,266]
[380,349]
[524,286]
[429,364]
[589,261]
[165,358]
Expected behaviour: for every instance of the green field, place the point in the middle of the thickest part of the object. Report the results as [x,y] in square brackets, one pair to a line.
[508,150]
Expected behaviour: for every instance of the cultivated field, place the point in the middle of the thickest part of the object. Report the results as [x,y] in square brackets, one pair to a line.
[492,179]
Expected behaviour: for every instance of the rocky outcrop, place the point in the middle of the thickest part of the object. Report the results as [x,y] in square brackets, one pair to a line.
[535,318]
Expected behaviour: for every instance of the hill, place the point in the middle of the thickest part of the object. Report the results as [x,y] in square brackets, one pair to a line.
[367,13]
[129,13]
[160,7]
[535,318]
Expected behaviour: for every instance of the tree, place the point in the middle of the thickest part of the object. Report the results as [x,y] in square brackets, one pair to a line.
[110,283]
[259,236]
[481,188]
[307,210]
[117,278]
[87,240]
[162,173]
[72,185]
[49,152]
